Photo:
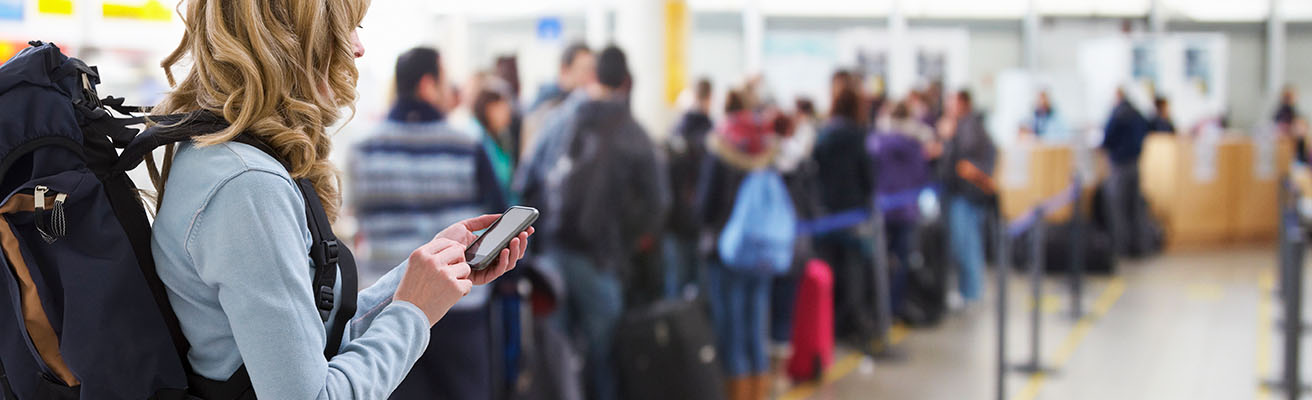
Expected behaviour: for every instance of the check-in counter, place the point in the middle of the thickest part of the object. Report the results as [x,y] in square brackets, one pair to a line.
[1031,173]
[1213,192]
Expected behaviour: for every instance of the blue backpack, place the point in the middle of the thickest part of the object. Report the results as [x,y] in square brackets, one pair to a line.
[762,228]
[82,312]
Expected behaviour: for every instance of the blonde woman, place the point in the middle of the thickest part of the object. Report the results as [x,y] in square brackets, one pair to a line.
[231,238]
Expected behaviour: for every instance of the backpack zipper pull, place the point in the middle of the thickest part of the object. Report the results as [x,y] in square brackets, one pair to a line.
[40,193]
[56,227]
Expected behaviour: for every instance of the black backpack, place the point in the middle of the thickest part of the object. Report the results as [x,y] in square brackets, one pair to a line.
[84,313]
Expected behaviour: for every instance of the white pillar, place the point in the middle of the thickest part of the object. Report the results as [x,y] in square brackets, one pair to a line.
[1030,31]
[1275,49]
[753,37]
[640,31]
[596,24]
[456,47]
[902,64]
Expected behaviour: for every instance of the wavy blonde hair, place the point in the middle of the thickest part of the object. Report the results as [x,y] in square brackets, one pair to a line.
[280,70]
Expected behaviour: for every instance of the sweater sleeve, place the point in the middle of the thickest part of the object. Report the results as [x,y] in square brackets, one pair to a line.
[248,243]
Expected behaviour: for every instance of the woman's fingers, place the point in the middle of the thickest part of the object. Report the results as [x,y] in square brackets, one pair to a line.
[480,222]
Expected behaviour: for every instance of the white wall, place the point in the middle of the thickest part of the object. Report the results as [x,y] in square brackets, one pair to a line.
[1298,65]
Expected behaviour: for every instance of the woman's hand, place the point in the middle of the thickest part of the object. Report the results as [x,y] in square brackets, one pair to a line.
[463,232]
[437,277]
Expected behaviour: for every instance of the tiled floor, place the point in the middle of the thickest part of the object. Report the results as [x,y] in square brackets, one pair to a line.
[1186,325]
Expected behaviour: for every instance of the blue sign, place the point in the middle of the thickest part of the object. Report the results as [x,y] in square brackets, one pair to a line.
[549,28]
[11,10]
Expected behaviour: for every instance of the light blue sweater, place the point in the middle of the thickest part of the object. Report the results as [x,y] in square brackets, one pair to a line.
[231,243]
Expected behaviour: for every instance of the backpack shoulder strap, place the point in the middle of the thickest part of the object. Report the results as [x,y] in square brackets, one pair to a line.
[328,256]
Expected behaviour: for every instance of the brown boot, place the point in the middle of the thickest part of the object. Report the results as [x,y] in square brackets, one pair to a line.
[759,387]
[739,388]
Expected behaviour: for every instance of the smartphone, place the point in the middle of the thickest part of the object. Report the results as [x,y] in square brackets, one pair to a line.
[485,250]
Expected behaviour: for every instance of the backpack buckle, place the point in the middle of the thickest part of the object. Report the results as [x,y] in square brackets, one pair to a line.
[330,251]
[325,301]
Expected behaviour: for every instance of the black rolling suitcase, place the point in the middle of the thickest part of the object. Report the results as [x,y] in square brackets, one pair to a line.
[926,286]
[667,351]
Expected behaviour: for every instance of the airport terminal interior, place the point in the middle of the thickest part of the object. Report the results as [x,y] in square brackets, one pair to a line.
[1004,200]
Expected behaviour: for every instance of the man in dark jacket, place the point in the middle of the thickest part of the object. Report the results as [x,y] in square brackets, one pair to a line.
[969,156]
[686,149]
[1123,142]
[607,204]
[1161,121]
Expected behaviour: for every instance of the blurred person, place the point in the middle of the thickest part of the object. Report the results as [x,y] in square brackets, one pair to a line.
[739,298]
[608,206]
[239,282]
[414,175]
[1123,142]
[578,69]
[1161,121]
[1047,124]
[934,99]
[546,127]
[1290,122]
[898,154]
[686,152]
[507,69]
[969,157]
[493,114]
[796,144]
[847,184]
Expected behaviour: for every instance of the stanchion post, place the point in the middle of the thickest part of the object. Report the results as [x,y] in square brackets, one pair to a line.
[883,297]
[1036,297]
[1079,245]
[1001,268]
[1292,246]
[1294,314]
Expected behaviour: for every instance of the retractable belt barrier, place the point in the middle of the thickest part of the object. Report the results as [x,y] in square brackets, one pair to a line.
[1292,237]
[1033,222]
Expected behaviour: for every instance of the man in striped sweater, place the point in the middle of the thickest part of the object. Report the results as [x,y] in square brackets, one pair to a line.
[413,177]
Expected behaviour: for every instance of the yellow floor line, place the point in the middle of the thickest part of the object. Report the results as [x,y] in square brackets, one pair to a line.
[1104,304]
[1265,283]
[842,367]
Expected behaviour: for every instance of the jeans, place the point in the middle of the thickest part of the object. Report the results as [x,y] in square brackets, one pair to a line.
[966,230]
[1124,208]
[901,243]
[682,265]
[783,295]
[739,303]
[848,253]
[594,303]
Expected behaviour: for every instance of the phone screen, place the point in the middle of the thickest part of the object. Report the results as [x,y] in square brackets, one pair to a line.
[495,238]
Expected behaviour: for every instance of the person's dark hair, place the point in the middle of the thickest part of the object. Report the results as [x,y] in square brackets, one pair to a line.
[900,110]
[702,89]
[572,52]
[734,102]
[485,98]
[804,106]
[846,104]
[412,66]
[1159,102]
[612,68]
[508,71]
[964,96]
[842,79]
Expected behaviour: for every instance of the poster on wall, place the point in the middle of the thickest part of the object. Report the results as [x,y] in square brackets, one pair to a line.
[1197,68]
[55,7]
[11,10]
[1144,63]
[140,10]
[872,67]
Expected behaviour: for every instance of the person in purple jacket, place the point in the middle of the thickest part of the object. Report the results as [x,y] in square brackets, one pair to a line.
[897,153]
